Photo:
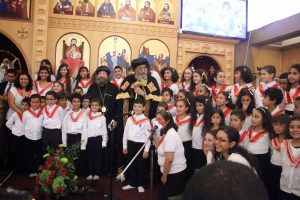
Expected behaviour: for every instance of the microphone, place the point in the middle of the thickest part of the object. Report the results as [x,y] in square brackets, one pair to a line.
[112,125]
[155,127]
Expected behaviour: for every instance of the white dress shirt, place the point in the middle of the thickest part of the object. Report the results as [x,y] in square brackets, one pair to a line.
[244,138]
[258,96]
[137,129]
[197,132]
[172,110]
[54,118]
[290,176]
[74,123]
[293,95]
[277,111]
[32,123]
[171,143]
[183,128]
[18,99]
[96,126]
[236,88]
[85,85]
[275,152]
[14,123]
[42,91]
[259,146]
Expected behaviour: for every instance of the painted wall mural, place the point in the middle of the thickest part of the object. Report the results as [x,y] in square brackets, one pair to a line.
[74,50]
[15,9]
[157,54]
[113,51]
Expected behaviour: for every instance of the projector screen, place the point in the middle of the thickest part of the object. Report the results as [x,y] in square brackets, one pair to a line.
[225,18]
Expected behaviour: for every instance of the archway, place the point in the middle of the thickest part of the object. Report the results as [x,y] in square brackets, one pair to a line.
[11,56]
[208,64]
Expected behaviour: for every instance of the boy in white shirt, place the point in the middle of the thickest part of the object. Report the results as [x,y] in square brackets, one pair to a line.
[117,79]
[74,128]
[136,132]
[272,98]
[237,120]
[16,150]
[53,115]
[97,139]
[32,124]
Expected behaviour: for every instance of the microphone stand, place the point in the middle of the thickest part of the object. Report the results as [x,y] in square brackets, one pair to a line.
[121,176]
[111,128]
[151,163]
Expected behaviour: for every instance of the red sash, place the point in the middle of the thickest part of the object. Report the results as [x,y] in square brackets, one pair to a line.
[214,94]
[43,90]
[63,82]
[276,144]
[170,107]
[20,116]
[227,111]
[94,117]
[185,121]
[183,86]
[261,87]
[163,85]
[257,136]
[294,162]
[50,115]
[196,124]
[292,99]
[236,90]
[75,119]
[243,136]
[279,112]
[161,140]
[36,115]
[115,83]
[139,121]
[22,94]
[85,85]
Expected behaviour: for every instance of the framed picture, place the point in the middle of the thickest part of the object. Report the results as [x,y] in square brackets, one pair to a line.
[114,51]
[74,50]
[157,53]
[165,12]
[63,7]
[85,8]
[107,9]
[127,10]
[15,9]
[147,11]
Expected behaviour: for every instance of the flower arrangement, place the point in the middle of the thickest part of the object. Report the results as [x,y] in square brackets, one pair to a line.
[57,175]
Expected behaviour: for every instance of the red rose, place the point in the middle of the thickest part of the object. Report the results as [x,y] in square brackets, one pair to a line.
[49,165]
[63,171]
[58,150]
[49,182]
[58,165]
[52,174]
[60,189]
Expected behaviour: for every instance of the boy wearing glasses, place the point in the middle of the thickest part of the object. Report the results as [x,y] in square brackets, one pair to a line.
[53,115]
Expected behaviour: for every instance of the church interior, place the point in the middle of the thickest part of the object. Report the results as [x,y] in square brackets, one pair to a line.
[168,33]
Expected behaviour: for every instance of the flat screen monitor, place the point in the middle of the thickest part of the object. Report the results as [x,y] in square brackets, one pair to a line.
[223,18]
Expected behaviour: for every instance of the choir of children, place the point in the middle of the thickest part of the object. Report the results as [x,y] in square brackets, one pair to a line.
[257,122]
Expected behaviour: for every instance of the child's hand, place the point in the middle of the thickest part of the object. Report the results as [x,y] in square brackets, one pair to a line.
[125,151]
[145,154]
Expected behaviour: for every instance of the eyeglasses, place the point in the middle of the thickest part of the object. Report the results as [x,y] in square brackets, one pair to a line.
[221,139]
[50,99]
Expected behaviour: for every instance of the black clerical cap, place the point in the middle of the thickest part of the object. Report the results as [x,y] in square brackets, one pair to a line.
[103,68]
[138,62]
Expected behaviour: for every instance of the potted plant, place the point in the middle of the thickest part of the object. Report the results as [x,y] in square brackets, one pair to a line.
[56,178]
